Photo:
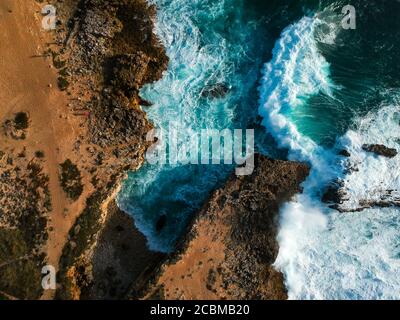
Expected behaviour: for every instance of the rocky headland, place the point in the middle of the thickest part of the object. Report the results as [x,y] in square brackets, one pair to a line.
[231,245]
[72,126]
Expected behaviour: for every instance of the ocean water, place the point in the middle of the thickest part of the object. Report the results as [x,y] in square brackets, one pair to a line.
[327,89]
[209,42]
[317,89]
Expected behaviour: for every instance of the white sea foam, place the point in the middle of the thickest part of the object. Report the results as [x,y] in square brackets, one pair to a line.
[200,55]
[323,253]
[373,178]
[297,71]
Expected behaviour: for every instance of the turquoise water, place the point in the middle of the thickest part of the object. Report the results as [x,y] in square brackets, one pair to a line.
[326,89]
[322,89]
[209,43]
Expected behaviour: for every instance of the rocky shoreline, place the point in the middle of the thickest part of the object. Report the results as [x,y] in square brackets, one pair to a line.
[110,52]
[231,245]
[335,193]
[104,51]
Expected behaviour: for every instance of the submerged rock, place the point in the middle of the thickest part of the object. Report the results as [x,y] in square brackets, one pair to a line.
[344,153]
[161,222]
[380,150]
[216,91]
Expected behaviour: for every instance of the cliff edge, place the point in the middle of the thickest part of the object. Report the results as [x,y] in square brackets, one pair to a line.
[230,248]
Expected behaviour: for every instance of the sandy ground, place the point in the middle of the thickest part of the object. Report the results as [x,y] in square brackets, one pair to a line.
[28,82]
[189,277]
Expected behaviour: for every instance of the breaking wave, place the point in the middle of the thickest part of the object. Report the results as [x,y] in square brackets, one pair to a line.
[325,254]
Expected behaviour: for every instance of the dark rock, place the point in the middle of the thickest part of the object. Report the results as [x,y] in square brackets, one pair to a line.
[125,250]
[161,222]
[217,91]
[333,193]
[380,150]
[144,102]
[344,153]
[129,72]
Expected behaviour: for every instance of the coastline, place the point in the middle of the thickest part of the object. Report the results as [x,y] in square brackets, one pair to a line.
[98,63]
[90,133]
[230,247]
[117,127]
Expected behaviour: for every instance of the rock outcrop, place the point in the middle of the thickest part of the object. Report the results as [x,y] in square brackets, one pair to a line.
[58,206]
[231,246]
[108,52]
[338,197]
[380,150]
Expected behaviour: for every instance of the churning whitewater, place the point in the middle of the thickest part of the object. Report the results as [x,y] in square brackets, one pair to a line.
[203,54]
[325,254]
[324,90]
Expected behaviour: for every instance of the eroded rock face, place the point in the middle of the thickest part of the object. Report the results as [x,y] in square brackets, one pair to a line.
[119,260]
[380,150]
[231,246]
[129,71]
[110,52]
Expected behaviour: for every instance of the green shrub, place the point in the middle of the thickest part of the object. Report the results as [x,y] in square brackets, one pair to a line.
[39,154]
[62,83]
[21,121]
[71,180]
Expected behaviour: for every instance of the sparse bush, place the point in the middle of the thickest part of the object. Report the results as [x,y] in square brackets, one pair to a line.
[71,180]
[62,83]
[20,274]
[21,121]
[39,154]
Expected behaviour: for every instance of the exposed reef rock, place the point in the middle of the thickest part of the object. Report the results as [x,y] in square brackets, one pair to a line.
[380,150]
[339,198]
[335,195]
[216,91]
[231,246]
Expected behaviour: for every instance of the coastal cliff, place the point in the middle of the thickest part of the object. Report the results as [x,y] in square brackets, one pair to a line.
[72,127]
[230,247]
[110,52]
